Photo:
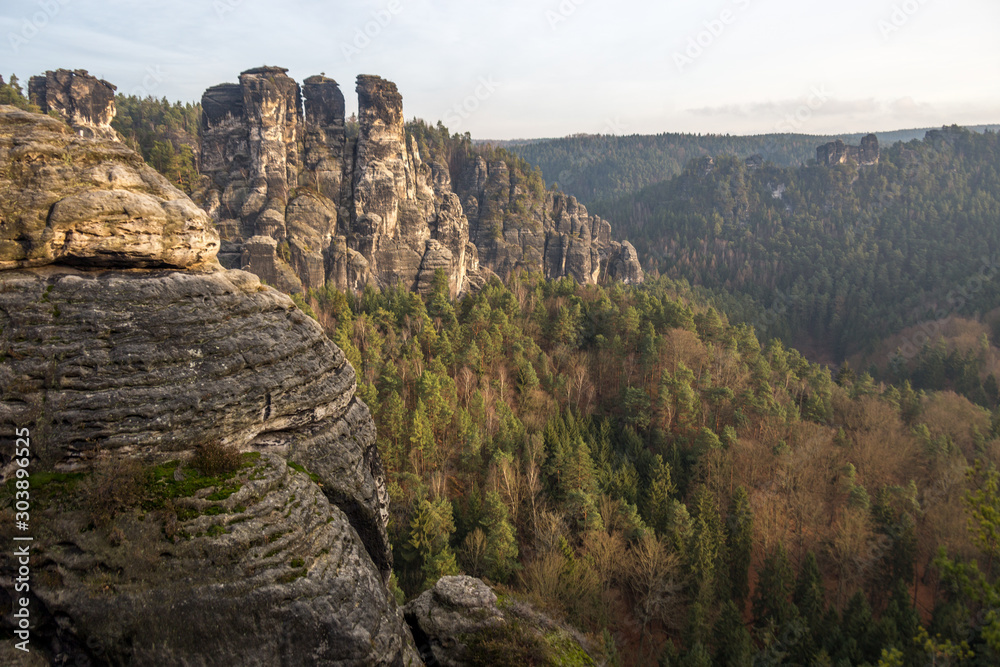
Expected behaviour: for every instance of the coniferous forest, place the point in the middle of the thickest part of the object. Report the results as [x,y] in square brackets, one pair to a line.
[658,465]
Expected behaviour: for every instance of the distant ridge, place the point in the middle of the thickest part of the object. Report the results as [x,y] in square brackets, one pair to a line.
[599,167]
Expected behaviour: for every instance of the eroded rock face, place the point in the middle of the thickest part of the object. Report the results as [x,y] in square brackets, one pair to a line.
[369,209]
[147,366]
[837,152]
[86,102]
[553,232]
[624,265]
[458,622]
[127,365]
[87,202]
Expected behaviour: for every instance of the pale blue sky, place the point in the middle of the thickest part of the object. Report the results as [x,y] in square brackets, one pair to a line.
[532,68]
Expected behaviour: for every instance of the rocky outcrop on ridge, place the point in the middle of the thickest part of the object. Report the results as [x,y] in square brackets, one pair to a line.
[350,211]
[123,356]
[514,228]
[837,152]
[84,101]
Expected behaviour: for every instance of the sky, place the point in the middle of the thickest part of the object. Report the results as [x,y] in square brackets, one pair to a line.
[548,68]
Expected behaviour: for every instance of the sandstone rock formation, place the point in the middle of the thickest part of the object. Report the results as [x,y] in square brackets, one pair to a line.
[837,152]
[86,102]
[116,359]
[85,202]
[458,622]
[350,211]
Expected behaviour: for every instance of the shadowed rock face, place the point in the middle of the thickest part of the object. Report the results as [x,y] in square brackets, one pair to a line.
[458,622]
[369,209]
[86,102]
[131,365]
[837,152]
[87,202]
[556,234]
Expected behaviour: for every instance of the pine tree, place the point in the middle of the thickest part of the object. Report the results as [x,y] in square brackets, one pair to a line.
[430,532]
[500,557]
[422,444]
[659,496]
[860,642]
[810,597]
[771,599]
[731,638]
[739,523]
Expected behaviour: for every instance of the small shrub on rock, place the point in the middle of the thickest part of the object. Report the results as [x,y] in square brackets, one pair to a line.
[213,459]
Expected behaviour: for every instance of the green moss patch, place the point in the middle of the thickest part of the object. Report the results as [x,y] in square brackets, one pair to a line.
[302,469]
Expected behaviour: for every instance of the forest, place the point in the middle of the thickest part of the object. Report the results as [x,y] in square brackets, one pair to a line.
[832,258]
[165,134]
[600,167]
[627,460]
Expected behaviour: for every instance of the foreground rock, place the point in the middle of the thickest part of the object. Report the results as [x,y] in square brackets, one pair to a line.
[89,202]
[458,622]
[123,373]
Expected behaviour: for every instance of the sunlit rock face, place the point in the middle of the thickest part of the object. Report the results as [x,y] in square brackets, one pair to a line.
[84,101]
[350,211]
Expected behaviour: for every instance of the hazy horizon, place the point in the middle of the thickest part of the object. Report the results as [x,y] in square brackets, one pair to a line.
[527,70]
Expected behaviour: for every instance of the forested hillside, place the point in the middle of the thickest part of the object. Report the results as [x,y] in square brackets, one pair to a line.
[166,134]
[834,257]
[597,167]
[627,460]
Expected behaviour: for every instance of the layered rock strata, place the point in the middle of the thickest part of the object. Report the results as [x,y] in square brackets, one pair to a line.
[118,356]
[72,200]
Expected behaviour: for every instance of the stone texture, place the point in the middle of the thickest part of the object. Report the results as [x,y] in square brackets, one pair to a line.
[149,364]
[89,202]
[369,209]
[837,152]
[450,617]
[84,101]
[624,265]
[444,616]
[144,365]
[514,229]
[260,257]
[325,138]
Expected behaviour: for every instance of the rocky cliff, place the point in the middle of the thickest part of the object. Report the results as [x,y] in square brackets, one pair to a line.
[350,211]
[515,228]
[84,101]
[837,152]
[131,356]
